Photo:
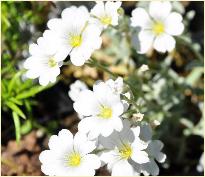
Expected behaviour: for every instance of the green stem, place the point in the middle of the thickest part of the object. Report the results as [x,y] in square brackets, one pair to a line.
[130,101]
[67,62]
[96,151]
[94,63]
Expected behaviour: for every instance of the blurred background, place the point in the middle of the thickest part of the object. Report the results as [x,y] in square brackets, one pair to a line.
[172,88]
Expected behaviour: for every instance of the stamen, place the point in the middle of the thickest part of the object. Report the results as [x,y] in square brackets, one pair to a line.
[158,28]
[106,20]
[126,151]
[52,62]
[75,40]
[74,159]
[105,112]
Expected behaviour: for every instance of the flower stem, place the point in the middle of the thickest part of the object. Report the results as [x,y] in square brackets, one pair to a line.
[130,101]
[67,62]
[95,63]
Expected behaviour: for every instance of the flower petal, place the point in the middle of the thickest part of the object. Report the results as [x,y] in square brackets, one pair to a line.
[55,24]
[92,161]
[139,144]
[136,131]
[161,157]
[98,9]
[154,149]
[122,168]
[117,122]
[108,156]
[94,133]
[44,80]
[173,24]
[145,132]
[49,170]
[140,18]
[150,168]
[35,50]
[143,41]
[139,156]
[63,141]
[80,140]
[159,10]
[85,125]
[32,74]
[164,43]
[86,104]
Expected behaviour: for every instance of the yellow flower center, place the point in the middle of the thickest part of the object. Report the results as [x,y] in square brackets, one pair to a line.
[52,62]
[125,151]
[158,28]
[105,112]
[75,40]
[74,159]
[106,20]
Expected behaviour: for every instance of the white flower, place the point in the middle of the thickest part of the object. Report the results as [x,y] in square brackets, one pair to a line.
[153,150]
[116,86]
[103,110]
[76,88]
[124,148]
[200,166]
[45,60]
[106,14]
[77,37]
[69,156]
[157,27]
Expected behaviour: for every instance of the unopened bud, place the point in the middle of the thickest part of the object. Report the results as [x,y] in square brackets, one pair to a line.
[154,123]
[120,11]
[137,117]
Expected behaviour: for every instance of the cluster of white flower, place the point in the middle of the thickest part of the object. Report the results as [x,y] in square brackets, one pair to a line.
[105,137]
[76,33]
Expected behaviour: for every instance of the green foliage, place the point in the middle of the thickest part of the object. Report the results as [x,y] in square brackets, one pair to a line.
[17,19]
[16,98]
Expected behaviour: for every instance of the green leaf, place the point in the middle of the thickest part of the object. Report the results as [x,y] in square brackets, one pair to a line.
[13,80]
[25,85]
[15,108]
[32,92]
[17,126]
[26,127]
[14,100]
[27,104]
